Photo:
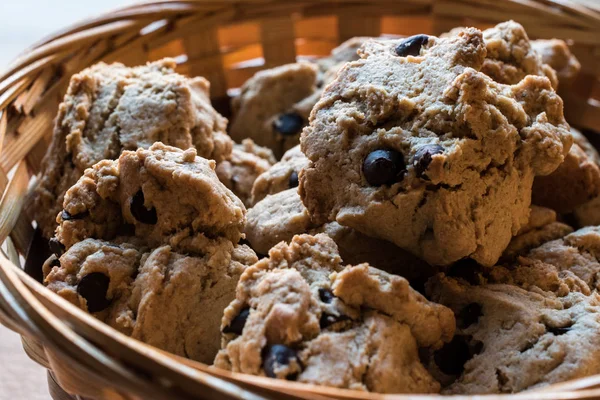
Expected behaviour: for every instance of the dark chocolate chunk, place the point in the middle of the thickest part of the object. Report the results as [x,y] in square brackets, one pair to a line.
[424,156]
[237,324]
[276,356]
[325,295]
[140,212]
[329,319]
[293,181]
[93,288]
[68,217]
[411,46]
[288,124]
[56,247]
[383,167]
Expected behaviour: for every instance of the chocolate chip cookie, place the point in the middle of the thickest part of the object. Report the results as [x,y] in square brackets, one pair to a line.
[111,108]
[509,339]
[413,144]
[301,315]
[163,298]
[163,195]
[245,163]
[281,176]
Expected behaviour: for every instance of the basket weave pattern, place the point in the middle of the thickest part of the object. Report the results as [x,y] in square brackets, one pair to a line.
[226,42]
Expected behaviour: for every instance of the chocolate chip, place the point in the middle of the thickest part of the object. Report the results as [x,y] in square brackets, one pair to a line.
[56,247]
[93,288]
[68,217]
[325,295]
[468,315]
[557,331]
[140,212]
[424,156]
[329,319]
[276,356]
[55,262]
[293,182]
[288,124]
[452,357]
[237,324]
[383,167]
[411,46]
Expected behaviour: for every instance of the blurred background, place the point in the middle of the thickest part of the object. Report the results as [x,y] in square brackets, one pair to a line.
[22,23]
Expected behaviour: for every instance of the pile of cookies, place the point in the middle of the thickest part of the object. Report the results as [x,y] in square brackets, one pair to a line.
[407,215]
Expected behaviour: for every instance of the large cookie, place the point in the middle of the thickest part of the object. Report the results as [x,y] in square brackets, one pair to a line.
[556,53]
[509,339]
[301,315]
[413,145]
[163,195]
[111,108]
[166,299]
[239,171]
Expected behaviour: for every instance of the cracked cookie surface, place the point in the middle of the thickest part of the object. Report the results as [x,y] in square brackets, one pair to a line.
[301,315]
[111,108]
[428,143]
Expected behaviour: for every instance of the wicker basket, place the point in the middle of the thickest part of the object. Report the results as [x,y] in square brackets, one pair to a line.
[227,42]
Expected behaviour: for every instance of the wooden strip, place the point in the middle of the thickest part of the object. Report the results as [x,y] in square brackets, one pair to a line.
[350,25]
[407,25]
[204,45]
[317,28]
[13,91]
[22,233]
[27,100]
[12,201]
[238,35]
[35,156]
[277,38]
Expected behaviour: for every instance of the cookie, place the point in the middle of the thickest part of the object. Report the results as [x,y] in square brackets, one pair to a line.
[111,108]
[575,182]
[301,315]
[166,299]
[509,339]
[556,54]
[281,176]
[239,171]
[542,227]
[413,136]
[281,216]
[274,105]
[588,213]
[163,195]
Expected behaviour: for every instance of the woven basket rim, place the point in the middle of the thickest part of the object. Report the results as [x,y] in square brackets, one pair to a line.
[30,308]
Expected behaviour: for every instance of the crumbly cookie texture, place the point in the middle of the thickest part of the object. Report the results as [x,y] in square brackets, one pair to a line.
[301,315]
[281,176]
[556,53]
[166,299]
[240,170]
[542,227]
[460,150]
[164,194]
[511,56]
[281,216]
[509,339]
[111,108]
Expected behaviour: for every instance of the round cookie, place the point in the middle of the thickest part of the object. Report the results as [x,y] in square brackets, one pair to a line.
[281,176]
[301,315]
[164,195]
[427,143]
[239,171]
[166,299]
[111,108]
[509,339]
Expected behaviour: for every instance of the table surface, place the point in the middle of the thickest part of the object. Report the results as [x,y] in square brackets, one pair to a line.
[22,23]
